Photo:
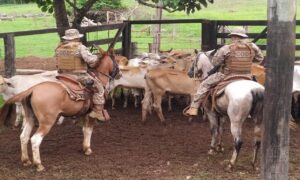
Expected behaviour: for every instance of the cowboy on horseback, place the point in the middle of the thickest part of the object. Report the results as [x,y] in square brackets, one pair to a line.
[74,58]
[231,60]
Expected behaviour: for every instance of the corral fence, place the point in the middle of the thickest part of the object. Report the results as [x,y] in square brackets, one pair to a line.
[137,36]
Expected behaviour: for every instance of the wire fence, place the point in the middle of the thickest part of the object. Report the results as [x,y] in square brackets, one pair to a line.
[184,37]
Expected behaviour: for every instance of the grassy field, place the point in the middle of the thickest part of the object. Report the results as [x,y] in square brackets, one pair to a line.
[187,36]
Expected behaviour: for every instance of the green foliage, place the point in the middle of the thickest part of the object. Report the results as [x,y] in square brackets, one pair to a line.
[103,4]
[1,101]
[189,6]
[44,5]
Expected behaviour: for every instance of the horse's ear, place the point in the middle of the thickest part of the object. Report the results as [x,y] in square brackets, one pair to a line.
[101,51]
[196,51]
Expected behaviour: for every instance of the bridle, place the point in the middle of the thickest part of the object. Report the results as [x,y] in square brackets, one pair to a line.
[194,71]
[115,71]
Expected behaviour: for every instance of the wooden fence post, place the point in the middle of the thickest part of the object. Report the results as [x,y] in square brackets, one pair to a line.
[126,40]
[278,93]
[209,35]
[10,54]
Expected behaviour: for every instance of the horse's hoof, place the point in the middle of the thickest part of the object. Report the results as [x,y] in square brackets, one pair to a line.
[211,152]
[26,163]
[39,168]
[88,152]
[220,148]
[113,108]
[229,168]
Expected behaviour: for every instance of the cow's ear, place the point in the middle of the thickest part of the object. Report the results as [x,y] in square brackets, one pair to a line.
[196,51]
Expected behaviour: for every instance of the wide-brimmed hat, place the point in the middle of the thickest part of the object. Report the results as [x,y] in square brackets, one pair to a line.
[71,34]
[238,31]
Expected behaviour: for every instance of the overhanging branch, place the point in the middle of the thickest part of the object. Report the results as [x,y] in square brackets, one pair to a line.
[154,6]
[72,5]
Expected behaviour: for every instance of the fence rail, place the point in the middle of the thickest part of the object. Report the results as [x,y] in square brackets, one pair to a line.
[211,37]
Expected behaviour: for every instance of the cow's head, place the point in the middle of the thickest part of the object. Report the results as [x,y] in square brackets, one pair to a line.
[4,83]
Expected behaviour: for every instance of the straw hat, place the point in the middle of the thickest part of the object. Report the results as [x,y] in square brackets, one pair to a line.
[238,31]
[71,34]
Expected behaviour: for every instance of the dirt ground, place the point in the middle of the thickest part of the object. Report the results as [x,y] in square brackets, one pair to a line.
[124,148]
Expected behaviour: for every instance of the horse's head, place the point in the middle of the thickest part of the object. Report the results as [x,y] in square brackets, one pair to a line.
[200,66]
[108,68]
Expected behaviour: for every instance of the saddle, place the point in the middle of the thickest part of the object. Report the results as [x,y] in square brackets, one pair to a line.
[219,89]
[77,90]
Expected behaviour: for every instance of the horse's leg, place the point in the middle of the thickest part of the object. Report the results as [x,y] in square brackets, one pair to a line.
[220,130]
[87,130]
[126,92]
[257,138]
[213,119]
[46,122]
[25,135]
[236,131]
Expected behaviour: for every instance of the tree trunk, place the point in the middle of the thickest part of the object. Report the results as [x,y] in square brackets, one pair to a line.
[61,17]
[278,96]
[157,29]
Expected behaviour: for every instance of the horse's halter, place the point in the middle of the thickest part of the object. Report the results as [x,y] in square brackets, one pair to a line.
[194,72]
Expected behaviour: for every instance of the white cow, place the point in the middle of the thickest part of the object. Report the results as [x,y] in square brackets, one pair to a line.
[19,83]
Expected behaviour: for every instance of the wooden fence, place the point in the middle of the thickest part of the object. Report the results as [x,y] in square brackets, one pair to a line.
[210,35]
[10,49]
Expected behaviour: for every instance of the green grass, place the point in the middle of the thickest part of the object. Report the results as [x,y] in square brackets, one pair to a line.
[187,36]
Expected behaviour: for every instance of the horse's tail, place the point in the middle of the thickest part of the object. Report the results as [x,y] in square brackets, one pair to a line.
[7,111]
[257,102]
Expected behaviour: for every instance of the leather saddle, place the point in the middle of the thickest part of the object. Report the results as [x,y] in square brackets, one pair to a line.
[218,89]
[77,90]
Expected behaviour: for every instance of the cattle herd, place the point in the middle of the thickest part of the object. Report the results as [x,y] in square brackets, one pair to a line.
[149,78]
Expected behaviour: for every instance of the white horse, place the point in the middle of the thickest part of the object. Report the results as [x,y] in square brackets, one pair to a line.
[239,100]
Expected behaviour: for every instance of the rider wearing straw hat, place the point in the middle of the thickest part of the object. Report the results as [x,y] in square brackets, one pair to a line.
[230,60]
[74,58]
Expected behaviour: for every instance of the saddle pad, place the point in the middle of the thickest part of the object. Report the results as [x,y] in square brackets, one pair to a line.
[219,89]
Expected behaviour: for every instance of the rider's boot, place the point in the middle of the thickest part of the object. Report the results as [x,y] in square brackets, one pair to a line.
[192,111]
[99,113]
[196,102]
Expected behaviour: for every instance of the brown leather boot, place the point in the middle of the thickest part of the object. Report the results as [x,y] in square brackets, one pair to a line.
[98,113]
[192,111]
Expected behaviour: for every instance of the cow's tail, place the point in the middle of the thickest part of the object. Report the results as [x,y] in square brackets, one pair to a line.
[7,111]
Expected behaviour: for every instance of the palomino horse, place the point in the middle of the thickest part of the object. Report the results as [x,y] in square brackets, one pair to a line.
[240,99]
[45,102]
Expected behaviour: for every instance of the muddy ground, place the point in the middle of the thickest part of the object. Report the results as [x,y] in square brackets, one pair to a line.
[124,148]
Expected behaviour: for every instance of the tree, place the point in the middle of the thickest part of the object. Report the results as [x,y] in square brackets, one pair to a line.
[59,9]
[178,5]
